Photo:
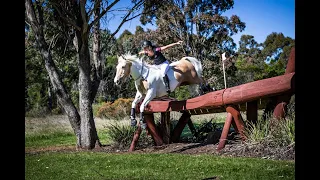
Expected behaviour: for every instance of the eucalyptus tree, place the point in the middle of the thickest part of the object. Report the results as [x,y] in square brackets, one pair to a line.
[80,18]
[206,32]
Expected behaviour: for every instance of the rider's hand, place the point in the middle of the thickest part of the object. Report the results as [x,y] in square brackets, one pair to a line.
[179,42]
[141,52]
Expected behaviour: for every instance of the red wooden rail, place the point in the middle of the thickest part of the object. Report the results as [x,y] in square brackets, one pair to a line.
[226,100]
[234,95]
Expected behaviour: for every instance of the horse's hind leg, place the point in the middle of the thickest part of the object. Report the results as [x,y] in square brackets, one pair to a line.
[205,87]
[200,86]
[194,90]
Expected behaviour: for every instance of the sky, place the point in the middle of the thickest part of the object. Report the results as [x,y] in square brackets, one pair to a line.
[262,17]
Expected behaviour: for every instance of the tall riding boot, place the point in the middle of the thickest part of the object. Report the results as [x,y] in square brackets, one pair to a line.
[133,117]
[166,82]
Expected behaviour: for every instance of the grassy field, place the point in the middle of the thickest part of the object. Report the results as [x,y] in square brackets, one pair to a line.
[97,165]
[56,131]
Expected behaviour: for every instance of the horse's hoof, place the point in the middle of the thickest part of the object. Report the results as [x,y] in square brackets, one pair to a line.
[133,122]
[143,124]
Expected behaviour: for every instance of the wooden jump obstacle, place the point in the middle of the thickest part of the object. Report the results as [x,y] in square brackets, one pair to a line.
[230,100]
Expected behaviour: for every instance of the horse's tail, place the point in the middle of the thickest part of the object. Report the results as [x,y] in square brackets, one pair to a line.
[197,65]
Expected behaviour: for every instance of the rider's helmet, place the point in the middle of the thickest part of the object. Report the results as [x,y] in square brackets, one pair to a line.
[146,44]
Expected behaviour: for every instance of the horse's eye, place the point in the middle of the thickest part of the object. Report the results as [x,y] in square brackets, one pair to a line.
[123,67]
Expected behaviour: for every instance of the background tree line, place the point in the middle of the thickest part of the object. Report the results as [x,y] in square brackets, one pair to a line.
[70,60]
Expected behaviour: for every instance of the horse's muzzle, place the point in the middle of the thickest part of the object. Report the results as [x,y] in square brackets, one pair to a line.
[117,82]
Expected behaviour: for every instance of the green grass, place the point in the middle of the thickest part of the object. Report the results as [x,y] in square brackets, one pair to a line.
[51,139]
[98,165]
[59,138]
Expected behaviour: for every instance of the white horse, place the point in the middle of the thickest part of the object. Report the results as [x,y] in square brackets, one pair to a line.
[149,82]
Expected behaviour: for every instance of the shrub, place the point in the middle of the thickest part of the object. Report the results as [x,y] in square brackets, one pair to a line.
[119,109]
[122,134]
[272,131]
[96,107]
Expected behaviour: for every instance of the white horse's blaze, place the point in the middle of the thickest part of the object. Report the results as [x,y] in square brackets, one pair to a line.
[148,80]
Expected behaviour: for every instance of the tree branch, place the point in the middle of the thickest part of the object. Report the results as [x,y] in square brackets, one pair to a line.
[103,13]
[52,40]
[64,9]
[31,14]
[96,5]
[40,12]
[125,19]
[66,19]
[84,15]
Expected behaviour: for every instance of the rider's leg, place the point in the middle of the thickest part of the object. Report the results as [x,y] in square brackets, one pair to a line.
[164,68]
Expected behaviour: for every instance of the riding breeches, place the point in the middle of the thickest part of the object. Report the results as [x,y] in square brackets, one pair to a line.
[164,67]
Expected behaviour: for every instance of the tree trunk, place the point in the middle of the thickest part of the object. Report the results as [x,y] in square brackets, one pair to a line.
[89,135]
[58,86]
[97,74]
[49,98]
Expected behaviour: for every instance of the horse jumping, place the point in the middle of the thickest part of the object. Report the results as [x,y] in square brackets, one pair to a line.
[149,82]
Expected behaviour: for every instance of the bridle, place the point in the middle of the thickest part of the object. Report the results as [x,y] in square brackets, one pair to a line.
[140,75]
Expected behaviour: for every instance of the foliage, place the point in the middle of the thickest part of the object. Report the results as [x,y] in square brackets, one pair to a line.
[121,135]
[256,61]
[205,32]
[107,90]
[36,81]
[182,93]
[273,132]
[200,24]
[202,131]
[63,54]
[120,108]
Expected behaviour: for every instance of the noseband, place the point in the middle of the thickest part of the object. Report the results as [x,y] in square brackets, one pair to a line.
[140,75]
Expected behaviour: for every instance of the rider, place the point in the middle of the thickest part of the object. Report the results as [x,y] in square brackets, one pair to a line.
[155,54]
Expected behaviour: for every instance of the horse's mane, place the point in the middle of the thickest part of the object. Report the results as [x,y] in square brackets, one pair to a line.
[134,57]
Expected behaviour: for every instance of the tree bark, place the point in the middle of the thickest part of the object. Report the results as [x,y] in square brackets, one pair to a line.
[97,74]
[88,129]
[82,122]
[89,136]
[58,86]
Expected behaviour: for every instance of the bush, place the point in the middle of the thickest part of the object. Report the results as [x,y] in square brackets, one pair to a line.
[119,109]
[279,133]
[96,107]
[122,134]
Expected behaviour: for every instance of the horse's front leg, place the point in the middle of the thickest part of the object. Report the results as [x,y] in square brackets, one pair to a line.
[151,93]
[136,100]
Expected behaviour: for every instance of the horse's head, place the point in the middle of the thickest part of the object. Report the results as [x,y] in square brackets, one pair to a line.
[122,70]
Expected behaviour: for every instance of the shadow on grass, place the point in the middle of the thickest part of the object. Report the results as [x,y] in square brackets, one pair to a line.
[188,147]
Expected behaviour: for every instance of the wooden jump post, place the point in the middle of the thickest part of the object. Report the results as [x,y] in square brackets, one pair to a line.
[229,100]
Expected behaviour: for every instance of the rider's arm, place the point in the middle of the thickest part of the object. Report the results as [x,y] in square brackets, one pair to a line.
[142,52]
[170,45]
